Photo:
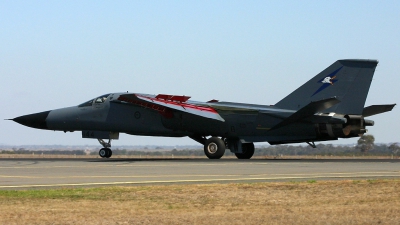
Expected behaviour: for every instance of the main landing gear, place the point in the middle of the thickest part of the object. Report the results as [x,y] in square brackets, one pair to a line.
[106,151]
[247,151]
[214,147]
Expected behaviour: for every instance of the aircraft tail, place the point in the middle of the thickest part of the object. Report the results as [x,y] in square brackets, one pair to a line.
[346,80]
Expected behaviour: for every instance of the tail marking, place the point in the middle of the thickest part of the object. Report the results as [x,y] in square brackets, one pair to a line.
[327,81]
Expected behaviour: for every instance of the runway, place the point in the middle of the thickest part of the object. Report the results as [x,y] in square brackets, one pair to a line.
[56,173]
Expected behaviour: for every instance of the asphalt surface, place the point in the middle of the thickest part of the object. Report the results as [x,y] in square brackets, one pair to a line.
[56,173]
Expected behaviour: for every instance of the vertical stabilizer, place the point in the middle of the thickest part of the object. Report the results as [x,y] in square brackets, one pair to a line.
[348,80]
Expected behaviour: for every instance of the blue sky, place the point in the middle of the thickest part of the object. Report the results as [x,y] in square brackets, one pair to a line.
[55,54]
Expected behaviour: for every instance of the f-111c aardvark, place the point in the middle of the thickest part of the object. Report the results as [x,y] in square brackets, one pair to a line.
[327,107]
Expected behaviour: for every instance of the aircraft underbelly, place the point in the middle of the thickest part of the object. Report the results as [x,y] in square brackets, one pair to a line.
[193,124]
[233,126]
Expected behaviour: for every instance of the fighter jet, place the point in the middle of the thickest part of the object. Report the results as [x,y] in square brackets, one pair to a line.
[327,107]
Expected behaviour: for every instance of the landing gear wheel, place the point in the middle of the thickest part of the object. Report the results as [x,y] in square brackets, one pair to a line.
[248,151]
[105,153]
[214,148]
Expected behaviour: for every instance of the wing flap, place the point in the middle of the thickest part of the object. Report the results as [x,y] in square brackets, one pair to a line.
[178,98]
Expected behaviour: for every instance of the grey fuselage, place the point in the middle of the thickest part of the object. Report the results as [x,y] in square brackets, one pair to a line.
[250,125]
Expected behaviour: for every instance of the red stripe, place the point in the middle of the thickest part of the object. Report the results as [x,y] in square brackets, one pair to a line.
[185,105]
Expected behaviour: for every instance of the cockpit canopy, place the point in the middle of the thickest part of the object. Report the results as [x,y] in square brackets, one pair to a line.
[98,100]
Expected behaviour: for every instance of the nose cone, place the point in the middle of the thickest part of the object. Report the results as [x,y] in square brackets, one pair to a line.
[36,120]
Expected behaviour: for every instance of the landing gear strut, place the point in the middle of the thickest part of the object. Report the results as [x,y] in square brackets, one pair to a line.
[106,151]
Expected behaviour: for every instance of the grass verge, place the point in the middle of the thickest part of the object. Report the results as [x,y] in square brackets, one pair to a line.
[308,202]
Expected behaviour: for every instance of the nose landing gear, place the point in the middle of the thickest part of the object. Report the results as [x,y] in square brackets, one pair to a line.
[106,151]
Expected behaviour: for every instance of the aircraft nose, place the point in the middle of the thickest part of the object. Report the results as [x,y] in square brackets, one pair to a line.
[36,120]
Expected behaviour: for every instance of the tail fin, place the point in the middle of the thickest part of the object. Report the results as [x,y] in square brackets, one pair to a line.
[348,80]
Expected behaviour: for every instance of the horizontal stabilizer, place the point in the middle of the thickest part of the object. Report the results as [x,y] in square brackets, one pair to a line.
[377,109]
[159,103]
[308,110]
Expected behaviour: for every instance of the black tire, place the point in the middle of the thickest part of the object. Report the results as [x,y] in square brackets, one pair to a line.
[109,153]
[248,151]
[214,148]
[103,153]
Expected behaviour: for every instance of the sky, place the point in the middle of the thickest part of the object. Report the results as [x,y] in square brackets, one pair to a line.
[55,54]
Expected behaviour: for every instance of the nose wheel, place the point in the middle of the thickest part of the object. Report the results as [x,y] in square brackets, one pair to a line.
[106,151]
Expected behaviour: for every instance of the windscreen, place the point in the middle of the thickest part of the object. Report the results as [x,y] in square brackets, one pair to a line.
[98,100]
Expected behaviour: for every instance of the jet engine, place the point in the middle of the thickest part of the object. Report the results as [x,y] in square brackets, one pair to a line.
[353,126]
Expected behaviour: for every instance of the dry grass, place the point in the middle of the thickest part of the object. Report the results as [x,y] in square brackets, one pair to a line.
[309,202]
